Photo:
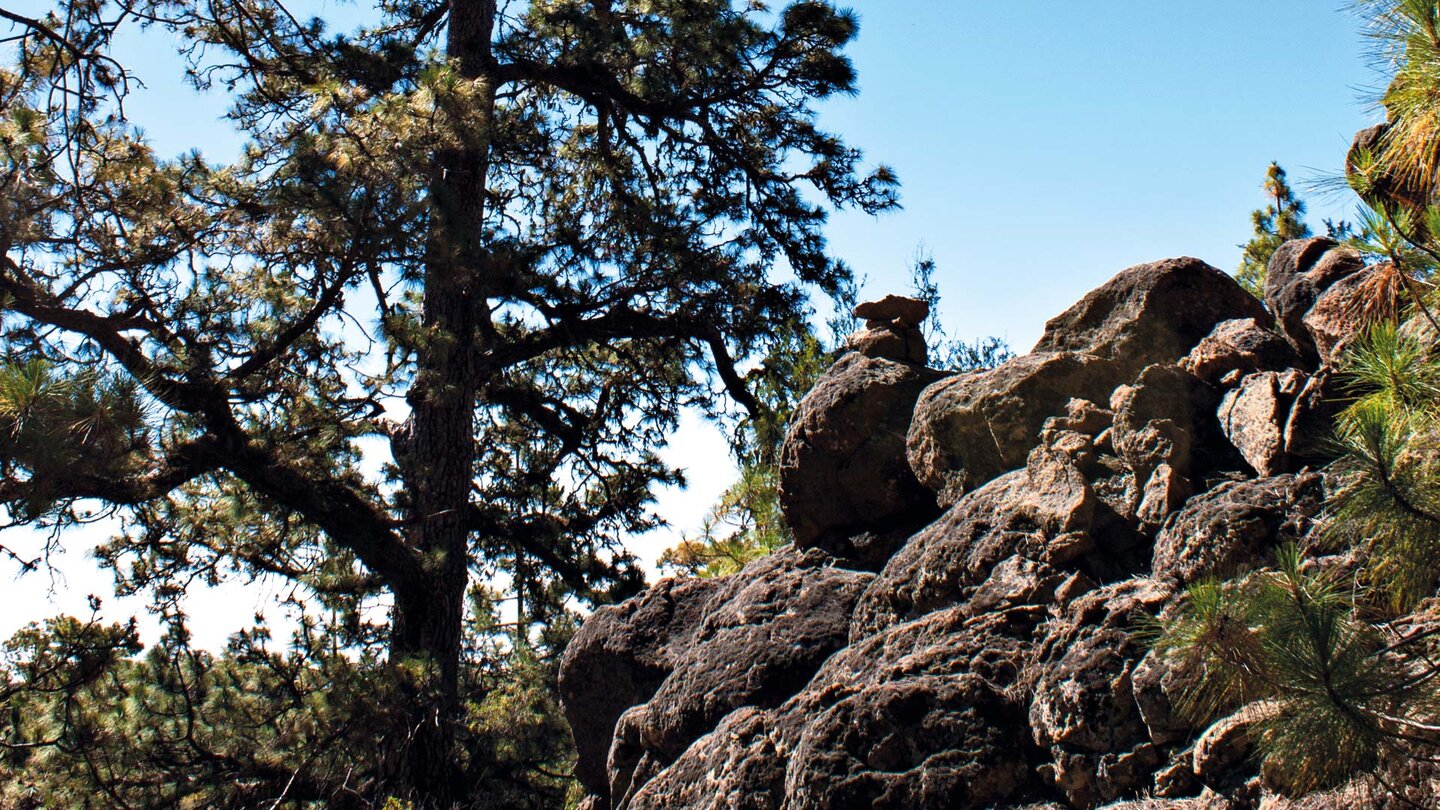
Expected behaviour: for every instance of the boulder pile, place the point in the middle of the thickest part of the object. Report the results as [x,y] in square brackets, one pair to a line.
[961,620]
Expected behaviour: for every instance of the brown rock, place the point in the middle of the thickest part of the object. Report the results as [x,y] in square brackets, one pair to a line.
[914,717]
[643,679]
[891,308]
[1224,746]
[1020,513]
[1235,526]
[618,659]
[1242,345]
[1310,426]
[1151,313]
[972,427]
[1345,310]
[1254,415]
[1160,420]
[843,467]
[1299,271]
[900,343]
[1083,709]
[736,767]
[1156,686]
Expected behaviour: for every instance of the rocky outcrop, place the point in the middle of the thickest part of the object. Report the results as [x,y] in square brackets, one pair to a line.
[993,654]
[1254,416]
[663,668]
[1232,527]
[1242,346]
[972,427]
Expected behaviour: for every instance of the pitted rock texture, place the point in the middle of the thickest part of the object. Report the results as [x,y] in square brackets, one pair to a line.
[1298,273]
[1151,313]
[993,654]
[972,427]
[1244,345]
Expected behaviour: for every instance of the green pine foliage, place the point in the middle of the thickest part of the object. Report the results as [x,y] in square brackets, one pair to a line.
[746,523]
[180,727]
[1329,694]
[1335,692]
[1320,651]
[429,328]
[1388,499]
[1281,220]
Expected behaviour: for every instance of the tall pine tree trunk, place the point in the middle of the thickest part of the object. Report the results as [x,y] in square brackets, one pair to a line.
[428,619]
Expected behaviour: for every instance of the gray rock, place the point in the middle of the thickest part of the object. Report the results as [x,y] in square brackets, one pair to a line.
[1236,526]
[1151,313]
[1254,416]
[972,427]
[843,467]
[1299,271]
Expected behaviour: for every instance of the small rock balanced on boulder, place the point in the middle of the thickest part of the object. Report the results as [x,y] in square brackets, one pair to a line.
[892,329]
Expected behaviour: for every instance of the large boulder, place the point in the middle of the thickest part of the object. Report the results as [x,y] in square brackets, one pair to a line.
[1299,271]
[917,716]
[1038,512]
[843,467]
[1080,679]
[1151,313]
[750,639]
[1310,427]
[1348,306]
[617,660]
[972,427]
[1243,345]
[1235,526]
[1163,421]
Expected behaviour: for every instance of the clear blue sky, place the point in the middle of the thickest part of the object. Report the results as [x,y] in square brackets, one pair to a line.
[1043,147]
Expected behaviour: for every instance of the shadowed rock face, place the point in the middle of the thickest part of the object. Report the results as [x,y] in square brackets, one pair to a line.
[842,466]
[996,658]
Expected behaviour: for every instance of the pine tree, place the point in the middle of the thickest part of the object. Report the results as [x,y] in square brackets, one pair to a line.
[1281,220]
[1338,682]
[501,244]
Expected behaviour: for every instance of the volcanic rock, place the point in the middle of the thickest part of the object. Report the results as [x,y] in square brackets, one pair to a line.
[843,467]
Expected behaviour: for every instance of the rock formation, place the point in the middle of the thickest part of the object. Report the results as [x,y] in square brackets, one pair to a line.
[961,622]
